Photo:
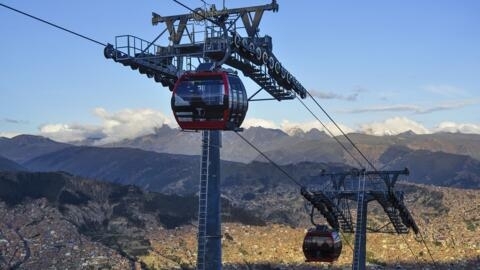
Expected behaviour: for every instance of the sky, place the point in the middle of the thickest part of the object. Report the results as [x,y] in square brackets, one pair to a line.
[377,67]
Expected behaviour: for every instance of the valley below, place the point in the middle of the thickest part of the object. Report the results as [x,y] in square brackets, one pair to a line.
[106,226]
[66,206]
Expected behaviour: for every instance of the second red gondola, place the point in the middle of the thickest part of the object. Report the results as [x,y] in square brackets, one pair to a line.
[322,245]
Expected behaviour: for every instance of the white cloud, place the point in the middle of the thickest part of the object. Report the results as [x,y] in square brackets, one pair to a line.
[331,95]
[128,123]
[390,126]
[393,126]
[9,134]
[14,121]
[71,132]
[307,126]
[131,123]
[447,106]
[291,127]
[386,108]
[258,122]
[445,90]
[451,105]
[458,127]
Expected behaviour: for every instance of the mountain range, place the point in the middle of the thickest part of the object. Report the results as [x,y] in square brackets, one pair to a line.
[168,159]
[297,145]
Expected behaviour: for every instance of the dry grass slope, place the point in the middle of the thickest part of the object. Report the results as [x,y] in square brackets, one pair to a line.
[449,221]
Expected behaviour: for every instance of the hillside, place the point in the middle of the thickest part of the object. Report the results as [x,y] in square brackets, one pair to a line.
[145,169]
[71,218]
[8,165]
[72,221]
[448,224]
[435,168]
[179,173]
[159,171]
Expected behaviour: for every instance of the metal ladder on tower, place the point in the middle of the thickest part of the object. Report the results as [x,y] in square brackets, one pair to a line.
[361,228]
[202,201]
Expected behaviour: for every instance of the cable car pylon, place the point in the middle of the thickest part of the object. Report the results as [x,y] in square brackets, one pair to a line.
[208,97]
[209,251]
[362,187]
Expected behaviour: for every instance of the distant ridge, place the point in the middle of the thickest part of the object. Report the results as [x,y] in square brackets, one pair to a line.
[313,145]
[25,147]
[145,169]
[297,145]
[435,168]
[444,159]
[10,166]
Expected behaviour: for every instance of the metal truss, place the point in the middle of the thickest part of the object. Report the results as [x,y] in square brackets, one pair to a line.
[332,200]
[209,35]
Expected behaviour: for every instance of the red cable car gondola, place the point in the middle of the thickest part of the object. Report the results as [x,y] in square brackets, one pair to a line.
[322,245]
[209,100]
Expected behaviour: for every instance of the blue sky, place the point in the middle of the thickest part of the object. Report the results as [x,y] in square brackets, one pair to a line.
[380,67]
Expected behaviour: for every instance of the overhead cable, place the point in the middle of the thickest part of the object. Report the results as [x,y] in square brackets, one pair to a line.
[271,161]
[331,133]
[54,25]
[341,130]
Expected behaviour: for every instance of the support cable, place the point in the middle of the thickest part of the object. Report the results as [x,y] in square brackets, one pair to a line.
[346,240]
[428,251]
[54,25]
[331,134]
[409,248]
[271,161]
[422,240]
[340,129]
